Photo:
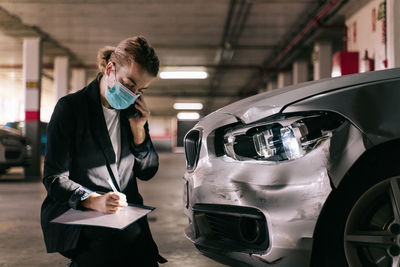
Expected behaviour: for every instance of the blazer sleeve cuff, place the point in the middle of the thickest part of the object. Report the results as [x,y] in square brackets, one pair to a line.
[78,196]
[141,151]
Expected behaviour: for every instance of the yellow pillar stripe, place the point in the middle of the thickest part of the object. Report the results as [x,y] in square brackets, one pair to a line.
[31,84]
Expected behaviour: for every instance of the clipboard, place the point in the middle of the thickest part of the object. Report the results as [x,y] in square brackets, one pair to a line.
[119,220]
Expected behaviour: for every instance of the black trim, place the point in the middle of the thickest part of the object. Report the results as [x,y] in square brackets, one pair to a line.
[192,148]
[230,228]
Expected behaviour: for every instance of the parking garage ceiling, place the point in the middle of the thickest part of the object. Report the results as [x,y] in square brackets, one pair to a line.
[236,40]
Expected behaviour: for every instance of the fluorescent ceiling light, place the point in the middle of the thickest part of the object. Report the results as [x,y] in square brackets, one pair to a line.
[188,116]
[183,75]
[188,106]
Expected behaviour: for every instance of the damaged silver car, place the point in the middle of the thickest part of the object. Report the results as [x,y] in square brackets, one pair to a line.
[304,175]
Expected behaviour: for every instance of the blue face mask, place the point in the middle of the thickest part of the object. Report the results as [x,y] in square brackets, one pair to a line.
[120,97]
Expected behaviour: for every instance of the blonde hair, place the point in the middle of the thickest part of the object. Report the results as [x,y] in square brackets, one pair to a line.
[131,49]
[103,56]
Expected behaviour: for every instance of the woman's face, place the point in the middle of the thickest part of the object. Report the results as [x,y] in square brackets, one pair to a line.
[134,77]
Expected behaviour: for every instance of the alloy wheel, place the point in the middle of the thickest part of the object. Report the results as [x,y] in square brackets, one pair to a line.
[372,231]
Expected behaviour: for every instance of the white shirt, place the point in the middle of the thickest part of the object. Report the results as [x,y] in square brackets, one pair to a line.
[114,130]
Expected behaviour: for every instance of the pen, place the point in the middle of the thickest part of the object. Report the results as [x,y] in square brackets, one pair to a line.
[110,182]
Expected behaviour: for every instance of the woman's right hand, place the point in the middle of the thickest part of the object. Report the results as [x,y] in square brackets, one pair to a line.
[111,202]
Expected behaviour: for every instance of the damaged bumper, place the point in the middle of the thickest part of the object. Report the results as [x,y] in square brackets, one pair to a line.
[264,212]
[260,213]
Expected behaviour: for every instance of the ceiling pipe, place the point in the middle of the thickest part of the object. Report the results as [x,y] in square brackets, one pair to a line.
[208,66]
[236,21]
[228,22]
[312,24]
[158,47]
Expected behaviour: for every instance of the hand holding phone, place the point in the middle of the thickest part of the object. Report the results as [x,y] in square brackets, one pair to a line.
[132,112]
[138,114]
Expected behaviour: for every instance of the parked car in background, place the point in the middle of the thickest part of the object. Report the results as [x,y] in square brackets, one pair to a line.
[19,126]
[307,174]
[14,149]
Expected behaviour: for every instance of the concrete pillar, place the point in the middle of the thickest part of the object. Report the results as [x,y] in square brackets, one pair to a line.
[284,79]
[322,57]
[300,71]
[78,79]
[271,85]
[61,79]
[32,71]
[393,33]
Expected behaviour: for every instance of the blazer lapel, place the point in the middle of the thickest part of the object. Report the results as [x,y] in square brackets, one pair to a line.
[99,128]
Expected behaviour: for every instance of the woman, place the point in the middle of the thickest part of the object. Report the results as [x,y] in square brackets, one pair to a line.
[97,133]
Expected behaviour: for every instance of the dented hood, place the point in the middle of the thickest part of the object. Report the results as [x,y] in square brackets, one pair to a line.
[266,104]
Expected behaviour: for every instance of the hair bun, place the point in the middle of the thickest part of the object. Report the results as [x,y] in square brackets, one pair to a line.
[103,56]
[132,49]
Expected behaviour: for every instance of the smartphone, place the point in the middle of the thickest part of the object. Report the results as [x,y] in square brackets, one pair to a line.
[131,111]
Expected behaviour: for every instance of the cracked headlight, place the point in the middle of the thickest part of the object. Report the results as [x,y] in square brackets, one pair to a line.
[285,139]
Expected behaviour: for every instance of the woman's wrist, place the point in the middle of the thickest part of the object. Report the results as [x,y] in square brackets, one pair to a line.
[88,203]
[138,132]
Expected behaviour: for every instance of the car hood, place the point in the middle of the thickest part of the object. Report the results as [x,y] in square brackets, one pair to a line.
[266,104]
[4,130]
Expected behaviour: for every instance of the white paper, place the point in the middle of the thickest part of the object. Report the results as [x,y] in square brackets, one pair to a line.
[119,220]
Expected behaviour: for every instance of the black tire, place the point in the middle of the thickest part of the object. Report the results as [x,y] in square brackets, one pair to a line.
[328,247]
[3,171]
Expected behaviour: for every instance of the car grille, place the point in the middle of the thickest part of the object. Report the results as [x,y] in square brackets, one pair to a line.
[192,148]
[10,141]
[12,154]
[235,228]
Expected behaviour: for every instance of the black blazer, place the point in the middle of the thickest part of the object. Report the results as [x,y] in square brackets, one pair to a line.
[78,143]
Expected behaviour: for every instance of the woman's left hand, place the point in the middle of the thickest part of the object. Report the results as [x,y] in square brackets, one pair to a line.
[143,114]
[137,122]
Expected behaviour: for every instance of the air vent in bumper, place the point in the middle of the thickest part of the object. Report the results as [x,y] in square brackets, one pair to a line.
[232,228]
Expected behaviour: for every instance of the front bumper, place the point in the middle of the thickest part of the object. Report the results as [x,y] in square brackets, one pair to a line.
[15,155]
[279,203]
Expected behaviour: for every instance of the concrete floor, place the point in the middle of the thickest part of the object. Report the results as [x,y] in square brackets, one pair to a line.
[21,241]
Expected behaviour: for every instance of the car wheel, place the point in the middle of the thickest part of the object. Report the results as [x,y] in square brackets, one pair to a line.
[358,223]
[372,230]
[3,171]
